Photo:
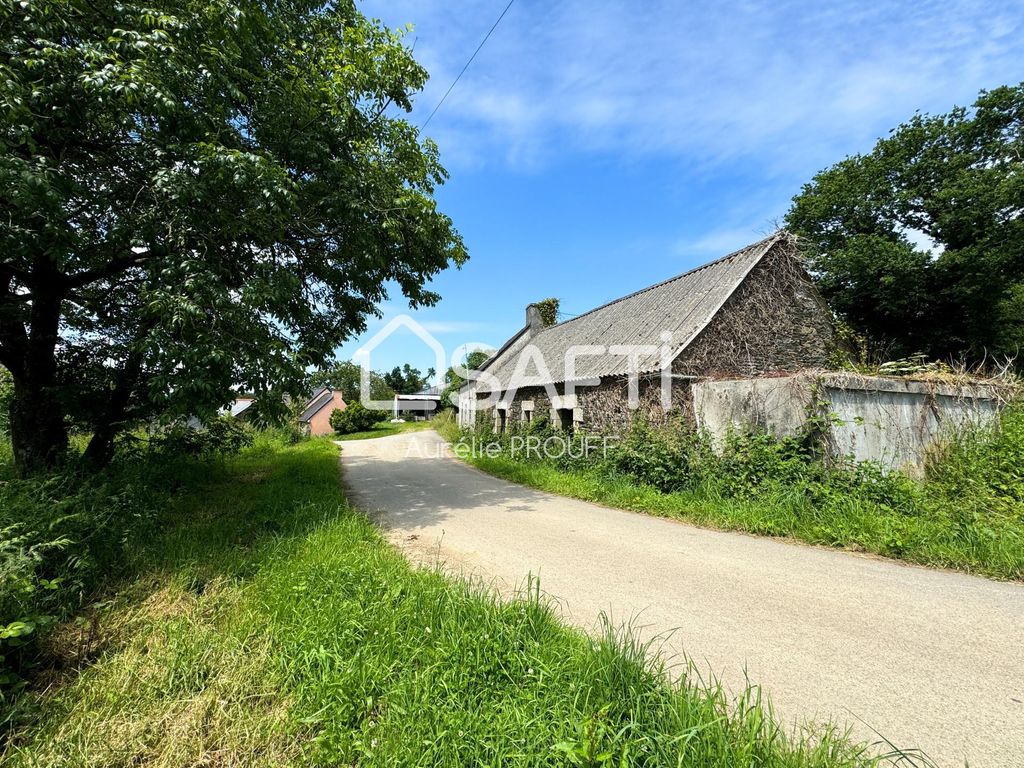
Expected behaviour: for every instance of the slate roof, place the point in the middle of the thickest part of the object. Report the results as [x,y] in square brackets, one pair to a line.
[682,306]
[320,398]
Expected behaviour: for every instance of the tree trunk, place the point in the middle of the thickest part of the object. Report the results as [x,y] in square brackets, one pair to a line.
[100,450]
[39,435]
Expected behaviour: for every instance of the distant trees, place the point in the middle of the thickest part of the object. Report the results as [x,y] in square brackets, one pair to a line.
[407,380]
[346,377]
[198,195]
[919,244]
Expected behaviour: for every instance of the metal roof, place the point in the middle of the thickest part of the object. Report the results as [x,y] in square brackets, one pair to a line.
[679,307]
[430,393]
[241,405]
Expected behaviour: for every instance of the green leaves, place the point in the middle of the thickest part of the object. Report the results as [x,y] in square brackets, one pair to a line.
[920,244]
[355,418]
[346,377]
[223,191]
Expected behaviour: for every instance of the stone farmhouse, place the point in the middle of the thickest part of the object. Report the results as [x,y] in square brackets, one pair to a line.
[752,313]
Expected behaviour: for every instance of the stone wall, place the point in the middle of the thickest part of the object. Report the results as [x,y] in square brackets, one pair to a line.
[774,322]
[606,406]
[600,409]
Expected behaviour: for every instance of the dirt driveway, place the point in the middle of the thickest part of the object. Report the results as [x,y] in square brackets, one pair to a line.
[928,659]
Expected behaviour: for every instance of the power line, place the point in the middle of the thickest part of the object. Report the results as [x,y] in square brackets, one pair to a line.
[459,77]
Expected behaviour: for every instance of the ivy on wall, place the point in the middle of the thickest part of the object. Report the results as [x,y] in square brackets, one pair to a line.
[548,309]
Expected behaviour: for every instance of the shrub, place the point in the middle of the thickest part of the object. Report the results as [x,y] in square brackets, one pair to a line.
[355,418]
[290,433]
[222,436]
[744,466]
[983,469]
[63,537]
[667,459]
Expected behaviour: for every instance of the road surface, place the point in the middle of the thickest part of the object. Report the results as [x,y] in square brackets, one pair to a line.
[928,659]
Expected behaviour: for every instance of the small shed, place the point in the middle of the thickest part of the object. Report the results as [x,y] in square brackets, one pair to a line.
[418,405]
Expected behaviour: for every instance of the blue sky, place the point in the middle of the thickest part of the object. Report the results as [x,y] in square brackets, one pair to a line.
[598,147]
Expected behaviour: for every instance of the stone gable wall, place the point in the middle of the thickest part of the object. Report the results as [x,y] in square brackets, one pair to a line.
[774,323]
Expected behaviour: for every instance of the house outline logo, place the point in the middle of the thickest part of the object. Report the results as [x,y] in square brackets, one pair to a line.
[362,356]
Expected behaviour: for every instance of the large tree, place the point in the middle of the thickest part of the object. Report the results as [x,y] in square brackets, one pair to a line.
[919,244]
[197,195]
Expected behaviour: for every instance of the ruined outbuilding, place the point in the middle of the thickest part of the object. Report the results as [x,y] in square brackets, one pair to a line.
[751,313]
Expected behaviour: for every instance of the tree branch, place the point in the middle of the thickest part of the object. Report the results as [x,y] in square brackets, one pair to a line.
[17,274]
[109,269]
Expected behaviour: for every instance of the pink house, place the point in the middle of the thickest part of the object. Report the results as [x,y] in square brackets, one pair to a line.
[316,418]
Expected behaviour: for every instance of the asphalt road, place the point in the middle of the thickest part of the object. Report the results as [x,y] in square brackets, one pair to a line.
[928,659]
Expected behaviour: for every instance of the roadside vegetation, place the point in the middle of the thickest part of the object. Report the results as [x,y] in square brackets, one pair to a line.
[247,615]
[387,428]
[967,513]
[355,418]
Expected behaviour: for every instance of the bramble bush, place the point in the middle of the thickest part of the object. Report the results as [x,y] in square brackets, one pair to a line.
[747,464]
[355,418]
[750,464]
[222,436]
[60,537]
[985,468]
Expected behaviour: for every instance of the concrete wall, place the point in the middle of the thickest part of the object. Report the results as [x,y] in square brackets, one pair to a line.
[890,421]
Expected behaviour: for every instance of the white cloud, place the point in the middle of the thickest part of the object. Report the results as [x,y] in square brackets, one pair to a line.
[800,83]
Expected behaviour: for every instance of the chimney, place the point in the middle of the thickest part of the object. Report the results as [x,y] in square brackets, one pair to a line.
[533,318]
[541,314]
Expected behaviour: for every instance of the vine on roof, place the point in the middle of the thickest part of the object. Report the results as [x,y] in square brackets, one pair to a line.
[548,309]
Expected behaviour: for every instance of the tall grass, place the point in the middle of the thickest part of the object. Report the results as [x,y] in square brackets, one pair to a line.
[968,513]
[66,536]
[270,624]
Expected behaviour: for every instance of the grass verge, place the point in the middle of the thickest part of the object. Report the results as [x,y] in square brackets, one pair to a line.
[271,624]
[386,428]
